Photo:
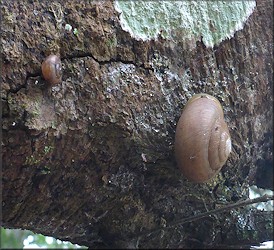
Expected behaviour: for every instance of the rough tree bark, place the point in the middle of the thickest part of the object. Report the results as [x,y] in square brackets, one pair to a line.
[91,160]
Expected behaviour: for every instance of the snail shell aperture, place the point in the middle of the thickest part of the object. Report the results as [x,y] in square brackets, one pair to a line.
[52,69]
[202,139]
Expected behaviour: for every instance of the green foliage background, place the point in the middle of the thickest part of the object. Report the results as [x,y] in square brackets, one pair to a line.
[14,239]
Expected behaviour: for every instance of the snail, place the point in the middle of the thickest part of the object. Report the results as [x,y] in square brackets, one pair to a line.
[202,139]
[52,69]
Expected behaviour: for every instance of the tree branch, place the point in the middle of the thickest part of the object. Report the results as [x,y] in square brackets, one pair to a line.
[238,204]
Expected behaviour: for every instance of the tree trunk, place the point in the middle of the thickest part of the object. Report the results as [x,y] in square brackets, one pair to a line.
[91,160]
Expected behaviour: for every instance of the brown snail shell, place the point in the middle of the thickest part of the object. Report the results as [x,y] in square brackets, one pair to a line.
[202,139]
[52,69]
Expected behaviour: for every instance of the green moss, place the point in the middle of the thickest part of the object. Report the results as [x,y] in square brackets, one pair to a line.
[7,16]
[269,225]
[249,234]
[111,42]
[53,125]
[75,31]
[45,170]
[10,99]
[35,160]
[48,149]
[31,160]
[36,108]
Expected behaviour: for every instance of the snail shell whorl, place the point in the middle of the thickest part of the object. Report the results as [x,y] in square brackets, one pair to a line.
[52,69]
[202,139]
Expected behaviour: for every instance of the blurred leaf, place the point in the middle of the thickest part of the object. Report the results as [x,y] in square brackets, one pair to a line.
[14,239]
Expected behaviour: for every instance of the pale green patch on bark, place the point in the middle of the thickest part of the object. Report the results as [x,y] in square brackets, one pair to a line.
[209,21]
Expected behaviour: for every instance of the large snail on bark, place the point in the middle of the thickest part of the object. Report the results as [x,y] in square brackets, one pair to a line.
[202,139]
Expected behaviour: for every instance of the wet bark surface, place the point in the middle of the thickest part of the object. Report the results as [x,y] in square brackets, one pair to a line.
[91,160]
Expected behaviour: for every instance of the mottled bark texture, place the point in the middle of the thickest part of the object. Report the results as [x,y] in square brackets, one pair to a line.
[91,160]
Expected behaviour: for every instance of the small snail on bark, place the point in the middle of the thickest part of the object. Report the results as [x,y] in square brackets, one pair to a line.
[202,139]
[52,69]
